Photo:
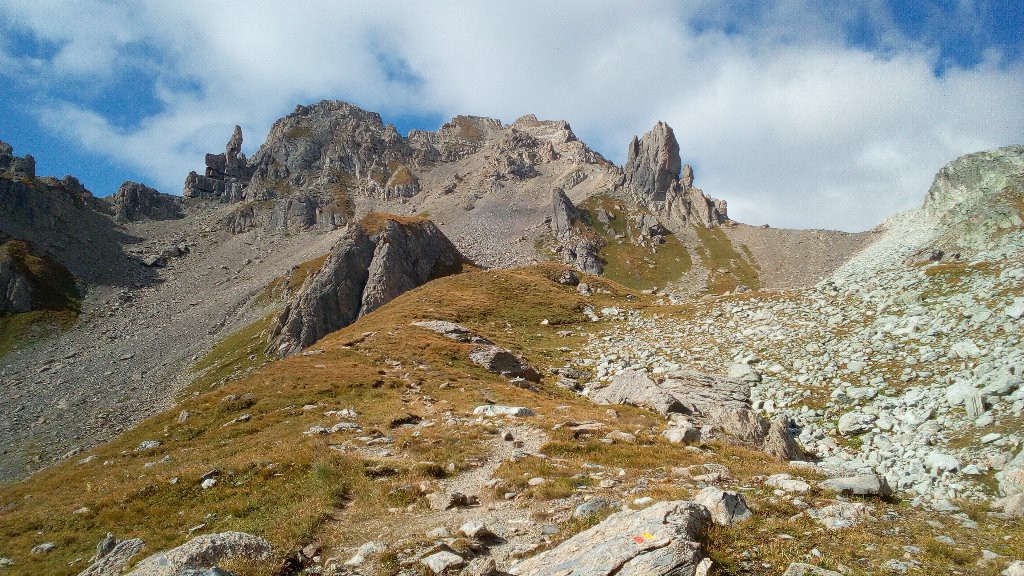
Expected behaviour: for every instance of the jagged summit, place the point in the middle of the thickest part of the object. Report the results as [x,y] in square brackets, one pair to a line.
[655,175]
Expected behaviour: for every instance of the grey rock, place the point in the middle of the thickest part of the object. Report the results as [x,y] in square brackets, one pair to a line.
[1016,568]
[366,269]
[779,442]
[501,361]
[855,423]
[498,410]
[840,515]
[451,330]
[16,287]
[726,508]
[44,548]
[603,550]
[592,506]
[203,552]
[801,569]
[635,388]
[860,485]
[1011,479]
[134,201]
[113,561]
[442,562]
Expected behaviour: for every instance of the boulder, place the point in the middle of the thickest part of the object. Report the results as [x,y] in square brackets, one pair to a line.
[1011,506]
[203,552]
[788,484]
[855,423]
[592,506]
[442,562]
[779,442]
[659,540]
[497,410]
[635,388]
[860,485]
[840,515]
[1011,479]
[112,556]
[451,330]
[801,569]
[370,265]
[726,508]
[1016,568]
[739,423]
[501,361]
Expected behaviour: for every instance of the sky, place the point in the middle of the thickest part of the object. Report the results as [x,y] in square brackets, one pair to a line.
[798,113]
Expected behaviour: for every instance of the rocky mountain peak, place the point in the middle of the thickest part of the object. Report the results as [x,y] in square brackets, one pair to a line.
[653,162]
[16,166]
[655,175]
[234,147]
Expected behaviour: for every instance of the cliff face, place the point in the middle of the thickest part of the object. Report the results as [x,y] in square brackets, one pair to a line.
[374,262]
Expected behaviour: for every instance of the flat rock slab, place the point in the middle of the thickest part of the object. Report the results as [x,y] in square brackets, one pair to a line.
[657,541]
[801,569]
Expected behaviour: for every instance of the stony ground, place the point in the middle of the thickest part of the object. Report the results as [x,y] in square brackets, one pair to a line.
[131,351]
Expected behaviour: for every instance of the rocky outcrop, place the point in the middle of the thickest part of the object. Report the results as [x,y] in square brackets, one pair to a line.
[15,285]
[658,540]
[19,167]
[30,279]
[134,201]
[226,174]
[371,264]
[203,552]
[655,176]
[576,243]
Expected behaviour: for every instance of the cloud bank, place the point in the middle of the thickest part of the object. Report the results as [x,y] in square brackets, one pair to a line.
[797,113]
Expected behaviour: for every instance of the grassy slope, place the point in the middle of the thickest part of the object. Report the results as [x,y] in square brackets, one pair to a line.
[56,301]
[629,264]
[278,483]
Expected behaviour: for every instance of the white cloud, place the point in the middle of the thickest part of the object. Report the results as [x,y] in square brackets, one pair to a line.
[778,117]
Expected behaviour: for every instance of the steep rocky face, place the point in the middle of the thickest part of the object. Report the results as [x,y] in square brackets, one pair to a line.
[134,201]
[374,262]
[655,175]
[577,244]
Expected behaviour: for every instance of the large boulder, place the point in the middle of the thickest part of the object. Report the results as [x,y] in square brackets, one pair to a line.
[635,388]
[660,540]
[726,508]
[112,556]
[134,201]
[370,265]
[1011,479]
[203,552]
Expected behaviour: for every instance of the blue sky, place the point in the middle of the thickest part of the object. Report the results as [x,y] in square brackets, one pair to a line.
[798,113]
